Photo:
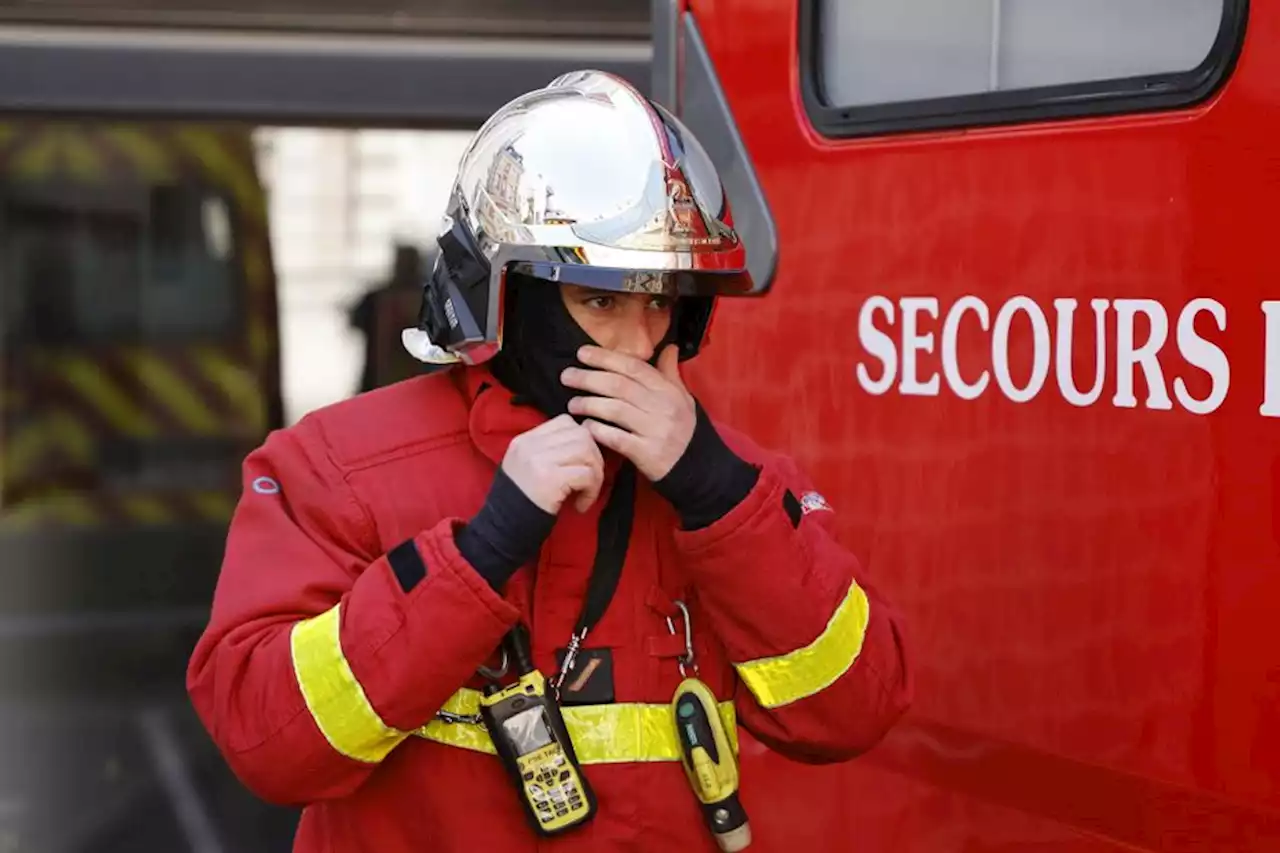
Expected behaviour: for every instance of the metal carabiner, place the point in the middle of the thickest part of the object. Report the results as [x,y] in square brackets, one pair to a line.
[569,662]
[495,674]
[688,659]
[452,719]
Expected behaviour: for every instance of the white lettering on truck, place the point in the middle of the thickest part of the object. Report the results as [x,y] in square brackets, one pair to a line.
[878,344]
[1271,385]
[913,343]
[1040,349]
[1203,354]
[1021,332]
[950,358]
[1066,334]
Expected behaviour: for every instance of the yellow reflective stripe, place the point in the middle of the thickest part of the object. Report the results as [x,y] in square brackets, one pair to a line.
[259,338]
[602,734]
[83,159]
[145,509]
[214,506]
[336,700]
[74,509]
[21,451]
[227,169]
[72,437]
[174,393]
[147,156]
[109,400]
[30,445]
[784,679]
[464,735]
[238,383]
[66,507]
[257,273]
[35,160]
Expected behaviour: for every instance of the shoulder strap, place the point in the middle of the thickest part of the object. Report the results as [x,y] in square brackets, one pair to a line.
[613,535]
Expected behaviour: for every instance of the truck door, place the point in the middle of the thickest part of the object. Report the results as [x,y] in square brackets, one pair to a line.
[1023,332]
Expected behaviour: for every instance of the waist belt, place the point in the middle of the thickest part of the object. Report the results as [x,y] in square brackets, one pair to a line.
[602,734]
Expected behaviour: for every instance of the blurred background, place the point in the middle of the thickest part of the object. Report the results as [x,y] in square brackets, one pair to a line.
[171,289]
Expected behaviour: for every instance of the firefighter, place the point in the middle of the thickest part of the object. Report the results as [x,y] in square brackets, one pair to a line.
[385,546]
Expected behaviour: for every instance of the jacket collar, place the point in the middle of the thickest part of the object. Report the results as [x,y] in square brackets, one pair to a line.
[495,420]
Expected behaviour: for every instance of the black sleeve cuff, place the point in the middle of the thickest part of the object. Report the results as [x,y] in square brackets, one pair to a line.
[707,481]
[505,534]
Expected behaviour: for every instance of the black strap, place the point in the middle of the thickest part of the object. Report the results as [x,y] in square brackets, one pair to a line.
[612,537]
[613,534]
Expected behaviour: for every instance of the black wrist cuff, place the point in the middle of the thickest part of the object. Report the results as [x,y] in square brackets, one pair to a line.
[505,534]
[708,480]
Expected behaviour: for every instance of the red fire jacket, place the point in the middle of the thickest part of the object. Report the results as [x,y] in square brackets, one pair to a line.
[320,678]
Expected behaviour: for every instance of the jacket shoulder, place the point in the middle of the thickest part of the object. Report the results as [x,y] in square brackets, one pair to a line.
[412,415]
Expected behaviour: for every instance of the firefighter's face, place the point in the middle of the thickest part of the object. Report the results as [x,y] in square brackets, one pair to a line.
[630,323]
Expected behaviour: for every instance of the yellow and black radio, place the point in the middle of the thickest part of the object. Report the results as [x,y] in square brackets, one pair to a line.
[710,764]
[530,737]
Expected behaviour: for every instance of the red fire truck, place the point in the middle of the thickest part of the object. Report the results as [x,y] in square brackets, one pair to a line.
[1022,324]
[1024,327]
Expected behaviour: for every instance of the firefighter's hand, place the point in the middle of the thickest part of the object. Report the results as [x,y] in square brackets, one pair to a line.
[655,412]
[554,461]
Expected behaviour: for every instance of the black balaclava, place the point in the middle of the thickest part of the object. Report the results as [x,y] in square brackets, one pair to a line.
[540,339]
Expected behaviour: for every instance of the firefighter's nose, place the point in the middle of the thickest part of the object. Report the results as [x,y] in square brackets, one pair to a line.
[637,339]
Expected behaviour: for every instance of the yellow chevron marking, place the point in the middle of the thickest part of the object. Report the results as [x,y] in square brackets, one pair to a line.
[145,509]
[238,383]
[36,159]
[173,392]
[214,506]
[146,155]
[259,339]
[58,432]
[109,400]
[256,271]
[226,170]
[63,507]
[84,160]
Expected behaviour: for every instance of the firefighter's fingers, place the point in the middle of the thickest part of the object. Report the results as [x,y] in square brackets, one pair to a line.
[586,481]
[619,412]
[557,425]
[629,445]
[547,437]
[573,445]
[545,464]
[575,436]
[603,383]
[669,366]
[613,361]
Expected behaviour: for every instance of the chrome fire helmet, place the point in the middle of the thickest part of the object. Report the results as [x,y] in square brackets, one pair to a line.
[582,182]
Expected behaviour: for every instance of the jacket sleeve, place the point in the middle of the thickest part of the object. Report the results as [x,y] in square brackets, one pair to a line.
[822,669]
[321,653]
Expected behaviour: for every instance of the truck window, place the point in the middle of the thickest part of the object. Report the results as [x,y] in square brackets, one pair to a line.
[116,263]
[931,63]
